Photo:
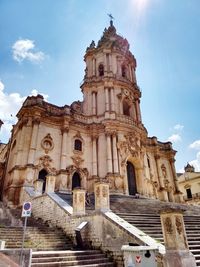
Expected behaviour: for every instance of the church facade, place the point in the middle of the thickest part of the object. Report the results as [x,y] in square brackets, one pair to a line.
[100,138]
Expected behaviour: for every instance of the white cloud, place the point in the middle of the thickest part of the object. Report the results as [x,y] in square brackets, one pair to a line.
[10,105]
[195,145]
[25,50]
[174,138]
[178,127]
[35,92]
[196,162]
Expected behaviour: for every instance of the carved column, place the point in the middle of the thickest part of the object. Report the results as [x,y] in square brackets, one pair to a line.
[177,252]
[160,179]
[50,183]
[134,112]
[63,148]
[105,63]
[107,99]
[138,110]
[93,67]
[93,103]
[102,200]
[115,155]
[63,179]
[110,62]
[112,99]
[109,153]
[94,155]
[21,142]
[78,201]
[172,161]
[130,73]
[134,76]
[33,146]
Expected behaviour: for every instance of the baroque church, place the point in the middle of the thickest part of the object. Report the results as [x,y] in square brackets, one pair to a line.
[101,138]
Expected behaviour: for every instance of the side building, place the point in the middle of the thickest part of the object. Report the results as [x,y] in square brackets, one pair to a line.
[189,184]
[100,138]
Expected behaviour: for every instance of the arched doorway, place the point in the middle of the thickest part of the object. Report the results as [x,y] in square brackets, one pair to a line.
[76,180]
[132,188]
[42,176]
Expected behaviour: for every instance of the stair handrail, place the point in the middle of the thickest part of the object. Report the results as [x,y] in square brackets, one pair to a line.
[136,232]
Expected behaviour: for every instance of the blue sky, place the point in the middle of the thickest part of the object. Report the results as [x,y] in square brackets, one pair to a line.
[42,44]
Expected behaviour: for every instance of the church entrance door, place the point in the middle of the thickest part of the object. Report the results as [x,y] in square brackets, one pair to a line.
[131,178]
[42,176]
[76,180]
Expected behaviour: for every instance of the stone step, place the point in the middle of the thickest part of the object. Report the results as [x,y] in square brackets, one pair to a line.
[70,258]
[73,263]
[65,258]
[64,253]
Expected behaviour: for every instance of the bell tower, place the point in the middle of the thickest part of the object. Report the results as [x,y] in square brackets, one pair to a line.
[109,87]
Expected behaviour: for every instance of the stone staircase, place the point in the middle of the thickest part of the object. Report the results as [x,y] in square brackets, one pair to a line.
[51,247]
[144,214]
[87,258]
[37,238]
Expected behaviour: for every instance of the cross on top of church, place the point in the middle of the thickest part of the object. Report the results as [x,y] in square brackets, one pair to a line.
[111,19]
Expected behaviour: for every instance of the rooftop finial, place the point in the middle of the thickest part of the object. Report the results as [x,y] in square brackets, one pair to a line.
[111,19]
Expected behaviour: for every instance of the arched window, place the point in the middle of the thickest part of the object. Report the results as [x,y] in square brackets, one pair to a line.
[123,71]
[78,145]
[101,70]
[126,108]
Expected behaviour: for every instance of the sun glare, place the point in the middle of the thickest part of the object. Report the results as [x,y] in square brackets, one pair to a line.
[140,5]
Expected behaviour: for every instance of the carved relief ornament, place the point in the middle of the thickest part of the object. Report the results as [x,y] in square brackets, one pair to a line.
[132,146]
[179,226]
[47,143]
[77,160]
[168,225]
[45,162]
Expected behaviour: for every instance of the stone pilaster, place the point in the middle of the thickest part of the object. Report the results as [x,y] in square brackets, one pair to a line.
[63,157]
[38,185]
[161,189]
[177,252]
[112,99]
[175,180]
[138,110]
[107,99]
[94,108]
[115,155]
[102,200]
[109,153]
[20,145]
[78,201]
[50,183]
[33,145]
[94,155]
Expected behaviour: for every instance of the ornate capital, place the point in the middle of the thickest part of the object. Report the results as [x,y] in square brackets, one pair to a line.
[36,120]
[157,157]
[172,160]
[64,129]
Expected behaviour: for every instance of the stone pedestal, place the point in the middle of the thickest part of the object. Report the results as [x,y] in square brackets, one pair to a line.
[78,201]
[38,184]
[102,199]
[177,252]
[50,183]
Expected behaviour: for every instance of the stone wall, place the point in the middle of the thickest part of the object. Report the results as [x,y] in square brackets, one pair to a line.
[105,231]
